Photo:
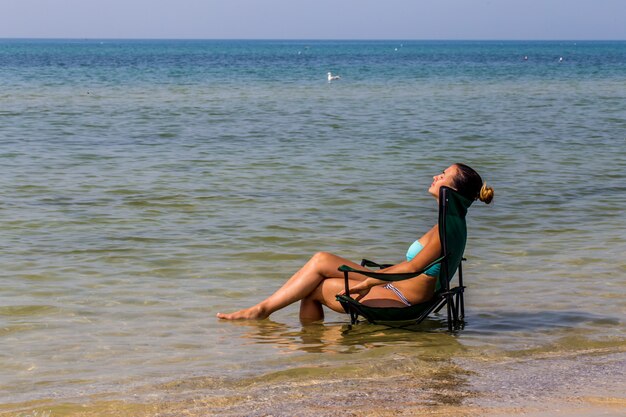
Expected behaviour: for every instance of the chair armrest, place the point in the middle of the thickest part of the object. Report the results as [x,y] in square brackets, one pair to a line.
[372,264]
[386,276]
[454,290]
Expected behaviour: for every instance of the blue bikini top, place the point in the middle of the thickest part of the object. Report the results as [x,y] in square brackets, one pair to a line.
[416,248]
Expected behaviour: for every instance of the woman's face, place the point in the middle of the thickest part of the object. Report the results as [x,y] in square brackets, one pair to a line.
[445,178]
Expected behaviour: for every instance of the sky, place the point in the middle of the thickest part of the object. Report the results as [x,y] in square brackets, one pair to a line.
[319,19]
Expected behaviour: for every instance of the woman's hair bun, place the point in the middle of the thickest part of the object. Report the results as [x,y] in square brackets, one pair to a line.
[486,193]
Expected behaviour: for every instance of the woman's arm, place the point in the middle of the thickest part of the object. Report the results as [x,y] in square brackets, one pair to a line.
[430,252]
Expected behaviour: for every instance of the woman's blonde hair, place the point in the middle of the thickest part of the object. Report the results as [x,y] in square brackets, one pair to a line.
[470,185]
[486,193]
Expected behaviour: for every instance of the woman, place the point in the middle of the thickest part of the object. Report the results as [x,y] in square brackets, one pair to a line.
[318,281]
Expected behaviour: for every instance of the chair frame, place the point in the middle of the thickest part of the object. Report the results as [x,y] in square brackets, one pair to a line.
[452,298]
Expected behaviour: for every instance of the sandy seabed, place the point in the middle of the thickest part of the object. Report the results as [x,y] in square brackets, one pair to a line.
[591,384]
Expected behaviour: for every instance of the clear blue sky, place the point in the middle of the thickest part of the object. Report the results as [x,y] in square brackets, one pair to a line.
[319,19]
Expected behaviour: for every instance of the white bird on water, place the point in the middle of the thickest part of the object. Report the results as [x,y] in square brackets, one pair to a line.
[332,77]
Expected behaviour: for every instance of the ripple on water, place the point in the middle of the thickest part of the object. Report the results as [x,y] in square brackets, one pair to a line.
[14,311]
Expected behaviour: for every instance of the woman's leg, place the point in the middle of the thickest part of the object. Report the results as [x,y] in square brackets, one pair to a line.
[320,267]
[325,294]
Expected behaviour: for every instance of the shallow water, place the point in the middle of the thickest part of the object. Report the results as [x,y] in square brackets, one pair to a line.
[148,185]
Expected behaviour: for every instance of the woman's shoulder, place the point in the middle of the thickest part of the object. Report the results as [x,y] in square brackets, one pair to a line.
[428,236]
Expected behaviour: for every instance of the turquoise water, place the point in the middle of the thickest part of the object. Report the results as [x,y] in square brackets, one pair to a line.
[148,185]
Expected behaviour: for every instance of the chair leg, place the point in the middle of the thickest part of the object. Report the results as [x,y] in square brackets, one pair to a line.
[457,309]
[354,317]
[449,303]
[440,306]
[455,317]
[455,312]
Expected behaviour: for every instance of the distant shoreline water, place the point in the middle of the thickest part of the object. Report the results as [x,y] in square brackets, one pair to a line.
[149,184]
[485,41]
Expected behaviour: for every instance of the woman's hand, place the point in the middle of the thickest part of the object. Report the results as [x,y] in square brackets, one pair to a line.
[362,288]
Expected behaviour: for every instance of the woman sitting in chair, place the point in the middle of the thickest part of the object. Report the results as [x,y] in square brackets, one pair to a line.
[318,282]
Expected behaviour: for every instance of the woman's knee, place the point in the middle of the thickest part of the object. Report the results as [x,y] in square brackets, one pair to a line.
[323,256]
[323,260]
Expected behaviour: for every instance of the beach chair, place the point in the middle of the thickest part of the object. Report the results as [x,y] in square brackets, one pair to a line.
[453,235]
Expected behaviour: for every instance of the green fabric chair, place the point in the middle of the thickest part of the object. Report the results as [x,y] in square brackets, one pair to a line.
[453,235]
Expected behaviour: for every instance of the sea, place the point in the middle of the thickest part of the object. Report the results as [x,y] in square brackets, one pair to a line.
[147,185]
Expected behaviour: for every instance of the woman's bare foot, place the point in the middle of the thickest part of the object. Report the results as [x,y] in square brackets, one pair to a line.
[252,313]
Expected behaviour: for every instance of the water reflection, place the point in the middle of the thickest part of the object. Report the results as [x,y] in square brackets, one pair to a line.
[496,333]
[343,338]
[335,366]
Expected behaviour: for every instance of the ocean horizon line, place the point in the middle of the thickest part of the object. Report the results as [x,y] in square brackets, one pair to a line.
[301,39]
